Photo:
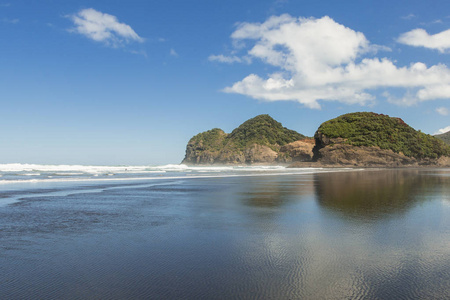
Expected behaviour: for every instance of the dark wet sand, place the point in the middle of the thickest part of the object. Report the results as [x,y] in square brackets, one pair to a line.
[380,234]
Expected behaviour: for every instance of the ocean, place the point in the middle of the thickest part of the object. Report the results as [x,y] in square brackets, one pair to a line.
[179,232]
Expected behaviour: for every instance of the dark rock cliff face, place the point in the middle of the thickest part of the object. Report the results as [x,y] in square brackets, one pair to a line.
[260,140]
[363,156]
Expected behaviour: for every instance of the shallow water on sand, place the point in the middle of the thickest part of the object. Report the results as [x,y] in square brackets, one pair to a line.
[377,234]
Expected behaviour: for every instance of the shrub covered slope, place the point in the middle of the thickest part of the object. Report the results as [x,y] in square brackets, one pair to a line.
[262,130]
[378,130]
[215,146]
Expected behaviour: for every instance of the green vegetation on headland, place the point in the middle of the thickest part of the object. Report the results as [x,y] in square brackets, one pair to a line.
[257,140]
[212,139]
[378,130]
[263,130]
[355,139]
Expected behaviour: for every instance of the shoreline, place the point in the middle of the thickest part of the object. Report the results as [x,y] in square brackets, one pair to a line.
[318,165]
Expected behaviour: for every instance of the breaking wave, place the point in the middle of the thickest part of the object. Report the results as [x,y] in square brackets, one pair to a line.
[36,173]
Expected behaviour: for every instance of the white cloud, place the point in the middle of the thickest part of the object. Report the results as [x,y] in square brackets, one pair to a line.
[320,59]
[139,52]
[442,130]
[10,21]
[420,38]
[229,59]
[442,111]
[104,28]
[173,53]
[409,17]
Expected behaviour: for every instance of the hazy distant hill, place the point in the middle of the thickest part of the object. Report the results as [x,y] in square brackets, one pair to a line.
[444,137]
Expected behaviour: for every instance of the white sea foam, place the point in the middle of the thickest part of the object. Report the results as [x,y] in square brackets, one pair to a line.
[17,167]
[69,173]
[191,176]
[186,168]
[17,173]
[66,170]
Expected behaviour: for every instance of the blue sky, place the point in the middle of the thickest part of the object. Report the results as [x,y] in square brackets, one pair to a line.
[130,82]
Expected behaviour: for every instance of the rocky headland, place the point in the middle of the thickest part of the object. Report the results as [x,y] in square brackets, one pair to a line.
[362,139]
[260,140]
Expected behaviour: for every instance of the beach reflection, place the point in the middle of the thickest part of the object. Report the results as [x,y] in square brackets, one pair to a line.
[376,194]
[275,192]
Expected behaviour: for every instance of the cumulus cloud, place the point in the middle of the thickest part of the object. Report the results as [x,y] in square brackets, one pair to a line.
[104,28]
[173,53]
[443,130]
[229,59]
[420,38]
[442,111]
[322,60]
